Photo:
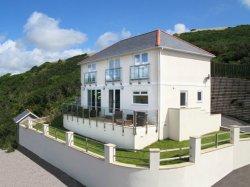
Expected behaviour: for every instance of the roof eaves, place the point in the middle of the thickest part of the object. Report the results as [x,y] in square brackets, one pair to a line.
[122,54]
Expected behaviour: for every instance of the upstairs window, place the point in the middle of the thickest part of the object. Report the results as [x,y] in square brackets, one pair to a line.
[199,96]
[91,67]
[114,63]
[140,97]
[141,58]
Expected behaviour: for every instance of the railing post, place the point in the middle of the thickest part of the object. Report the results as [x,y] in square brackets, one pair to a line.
[195,149]
[69,138]
[46,129]
[234,134]
[110,152]
[154,158]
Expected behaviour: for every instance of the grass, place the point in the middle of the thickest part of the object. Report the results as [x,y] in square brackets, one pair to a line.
[244,135]
[141,157]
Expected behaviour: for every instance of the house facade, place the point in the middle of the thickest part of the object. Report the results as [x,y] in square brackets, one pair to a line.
[155,82]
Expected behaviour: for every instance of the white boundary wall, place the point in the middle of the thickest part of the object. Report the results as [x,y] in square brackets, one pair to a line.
[93,171]
[186,122]
[122,137]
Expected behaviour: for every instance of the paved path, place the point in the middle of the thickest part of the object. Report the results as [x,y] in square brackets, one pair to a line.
[227,121]
[237,178]
[22,168]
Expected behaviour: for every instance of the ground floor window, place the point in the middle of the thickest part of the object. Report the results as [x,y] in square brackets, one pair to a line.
[140,97]
[199,96]
[183,98]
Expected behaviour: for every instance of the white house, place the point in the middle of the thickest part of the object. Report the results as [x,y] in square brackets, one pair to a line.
[143,89]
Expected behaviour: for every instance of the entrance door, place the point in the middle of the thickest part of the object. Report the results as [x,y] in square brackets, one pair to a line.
[114,100]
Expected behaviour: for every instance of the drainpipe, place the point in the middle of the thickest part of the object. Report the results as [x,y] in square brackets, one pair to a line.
[159,93]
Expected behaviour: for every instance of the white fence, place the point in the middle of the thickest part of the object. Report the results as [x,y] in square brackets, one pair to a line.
[95,171]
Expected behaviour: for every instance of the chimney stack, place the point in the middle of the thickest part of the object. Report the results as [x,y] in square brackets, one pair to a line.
[158,38]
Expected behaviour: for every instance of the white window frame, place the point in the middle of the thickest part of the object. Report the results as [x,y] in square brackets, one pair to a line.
[91,67]
[140,93]
[140,62]
[115,63]
[186,104]
[199,101]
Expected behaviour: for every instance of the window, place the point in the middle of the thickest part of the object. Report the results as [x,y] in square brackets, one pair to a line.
[114,63]
[183,98]
[199,96]
[91,67]
[140,97]
[141,58]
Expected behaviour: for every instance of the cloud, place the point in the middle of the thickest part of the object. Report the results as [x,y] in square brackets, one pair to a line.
[46,42]
[178,28]
[44,32]
[16,59]
[108,38]
[246,3]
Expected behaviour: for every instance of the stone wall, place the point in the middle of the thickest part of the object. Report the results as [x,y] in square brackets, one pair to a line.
[231,96]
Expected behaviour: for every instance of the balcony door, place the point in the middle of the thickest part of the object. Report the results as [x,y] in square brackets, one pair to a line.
[94,99]
[114,100]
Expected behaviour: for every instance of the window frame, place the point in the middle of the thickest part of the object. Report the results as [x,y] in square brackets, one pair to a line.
[90,67]
[140,93]
[114,62]
[201,100]
[140,62]
[186,96]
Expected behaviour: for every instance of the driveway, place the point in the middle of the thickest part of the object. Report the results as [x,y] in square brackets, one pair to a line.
[226,121]
[237,178]
[22,168]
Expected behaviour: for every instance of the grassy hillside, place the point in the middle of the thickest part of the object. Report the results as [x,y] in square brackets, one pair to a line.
[231,45]
[42,89]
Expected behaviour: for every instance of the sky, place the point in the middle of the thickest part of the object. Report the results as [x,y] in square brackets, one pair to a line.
[35,31]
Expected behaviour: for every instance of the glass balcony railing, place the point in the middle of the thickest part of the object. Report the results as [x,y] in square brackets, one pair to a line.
[90,77]
[112,75]
[139,72]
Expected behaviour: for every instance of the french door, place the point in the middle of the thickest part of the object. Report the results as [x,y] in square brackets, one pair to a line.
[94,99]
[114,100]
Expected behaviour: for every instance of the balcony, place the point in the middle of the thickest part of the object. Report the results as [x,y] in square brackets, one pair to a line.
[90,77]
[138,128]
[139,72]
[113,75]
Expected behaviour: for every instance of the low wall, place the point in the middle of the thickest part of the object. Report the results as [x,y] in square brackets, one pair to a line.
[93,171]
[122,137]
[186,122]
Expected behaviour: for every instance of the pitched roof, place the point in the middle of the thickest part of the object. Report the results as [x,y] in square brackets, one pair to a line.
[150,40]
[23,115]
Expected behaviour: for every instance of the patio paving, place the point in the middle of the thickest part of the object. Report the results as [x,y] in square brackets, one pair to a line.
[22,168]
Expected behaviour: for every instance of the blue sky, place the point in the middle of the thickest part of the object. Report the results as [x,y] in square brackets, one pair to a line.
[35,31]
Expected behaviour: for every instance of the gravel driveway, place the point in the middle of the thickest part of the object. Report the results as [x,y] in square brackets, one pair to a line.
[22,168]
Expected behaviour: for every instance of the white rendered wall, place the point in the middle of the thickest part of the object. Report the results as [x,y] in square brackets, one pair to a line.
[122,137]
[93,171]
[186,122]
[182,72]
[126,89]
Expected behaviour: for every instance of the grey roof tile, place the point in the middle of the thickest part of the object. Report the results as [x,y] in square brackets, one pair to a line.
[23,115]
[145,41]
